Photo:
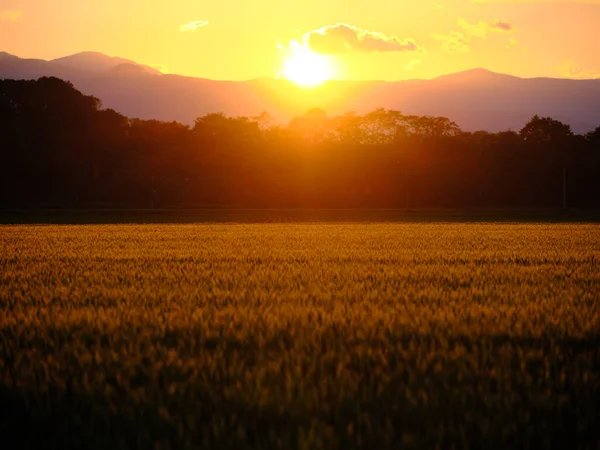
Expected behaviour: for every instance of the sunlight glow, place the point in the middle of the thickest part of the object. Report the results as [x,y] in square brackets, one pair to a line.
[305,67]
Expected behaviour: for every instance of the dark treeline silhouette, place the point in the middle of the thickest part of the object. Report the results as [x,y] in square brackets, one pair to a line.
[58,148]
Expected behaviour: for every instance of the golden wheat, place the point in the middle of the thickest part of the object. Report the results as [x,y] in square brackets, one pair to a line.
[300,335]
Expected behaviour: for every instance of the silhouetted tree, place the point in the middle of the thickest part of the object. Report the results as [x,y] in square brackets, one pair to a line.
[593,137]
[545,130]
[312,127]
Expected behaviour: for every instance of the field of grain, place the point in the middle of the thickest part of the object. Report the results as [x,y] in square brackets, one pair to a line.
[300,336]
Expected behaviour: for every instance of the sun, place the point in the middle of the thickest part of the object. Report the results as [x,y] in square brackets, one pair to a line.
[305,67]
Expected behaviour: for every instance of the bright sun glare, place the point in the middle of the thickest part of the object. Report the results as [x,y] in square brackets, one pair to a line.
[306,68]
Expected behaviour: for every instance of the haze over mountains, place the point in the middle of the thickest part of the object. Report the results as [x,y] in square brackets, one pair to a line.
[477,99]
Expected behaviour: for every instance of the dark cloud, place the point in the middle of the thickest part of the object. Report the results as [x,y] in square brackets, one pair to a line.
[503,26]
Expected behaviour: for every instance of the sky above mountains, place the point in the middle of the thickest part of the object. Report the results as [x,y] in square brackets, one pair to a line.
[345,39]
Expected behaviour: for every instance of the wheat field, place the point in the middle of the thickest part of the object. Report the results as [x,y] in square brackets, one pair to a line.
[300,336]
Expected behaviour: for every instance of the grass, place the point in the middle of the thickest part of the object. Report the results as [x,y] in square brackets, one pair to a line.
[300,336]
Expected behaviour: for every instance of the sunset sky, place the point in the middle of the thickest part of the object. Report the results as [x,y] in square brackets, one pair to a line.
[358,39]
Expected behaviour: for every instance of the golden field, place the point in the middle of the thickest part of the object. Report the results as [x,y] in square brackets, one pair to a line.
[300,336]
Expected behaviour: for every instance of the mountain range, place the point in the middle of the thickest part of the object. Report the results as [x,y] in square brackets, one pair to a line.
[477,99]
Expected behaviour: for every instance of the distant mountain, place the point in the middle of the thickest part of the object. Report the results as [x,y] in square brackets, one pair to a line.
[97,62]
[7,57]
[476,99]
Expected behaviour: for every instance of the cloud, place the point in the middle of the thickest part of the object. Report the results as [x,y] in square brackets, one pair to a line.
[160,67]
[342,38]
[571,69]
[412,64]
[498,25]
[193,26]
[511,43]
[12,15]
[458,41]
[454,42]
[481,29]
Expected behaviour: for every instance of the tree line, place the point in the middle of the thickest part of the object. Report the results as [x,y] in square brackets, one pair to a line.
[59,148]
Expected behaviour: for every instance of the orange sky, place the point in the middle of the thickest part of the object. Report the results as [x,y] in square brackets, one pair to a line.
[375,39]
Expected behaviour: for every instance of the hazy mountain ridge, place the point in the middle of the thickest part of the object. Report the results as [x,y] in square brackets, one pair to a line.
[98,62]
[477,99]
